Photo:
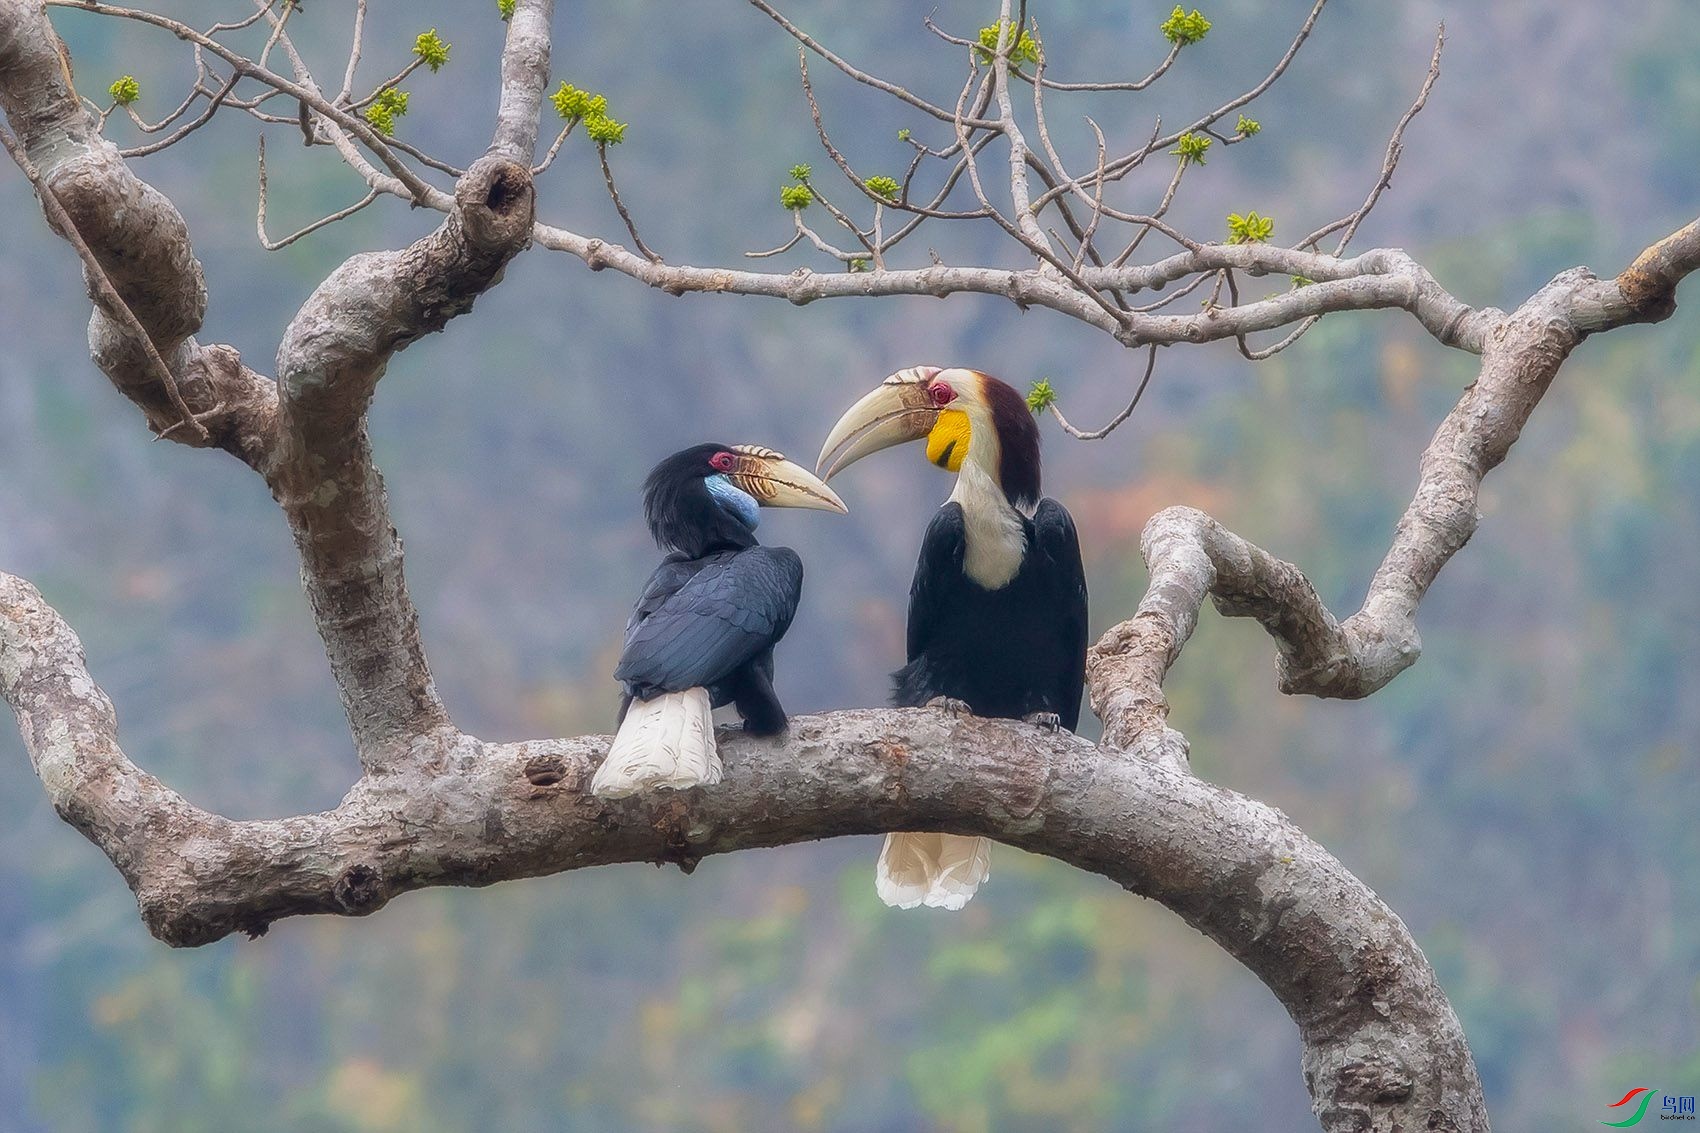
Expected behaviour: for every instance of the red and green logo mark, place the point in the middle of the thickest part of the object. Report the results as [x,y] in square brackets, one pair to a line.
[1645,1096]
[1676,1107]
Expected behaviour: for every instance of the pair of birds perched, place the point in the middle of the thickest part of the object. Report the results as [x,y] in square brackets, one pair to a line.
[997,609]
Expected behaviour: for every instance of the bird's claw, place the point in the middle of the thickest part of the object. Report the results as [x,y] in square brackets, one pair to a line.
[952,705]
[1049,721]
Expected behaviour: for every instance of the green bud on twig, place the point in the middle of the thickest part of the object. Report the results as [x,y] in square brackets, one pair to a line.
[125,90]
[431,49]
[1182,28]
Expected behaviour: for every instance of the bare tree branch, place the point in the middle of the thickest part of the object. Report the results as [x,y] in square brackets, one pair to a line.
[329,362]
[142,247]
[1122,166]
[1115,422]
[342,125]
[1381,1042]
[619,206]
[213,103]
[1390,162]
[102,283]
[271,245]
[897,92]
[356,41]
[525,74]
[1190,555]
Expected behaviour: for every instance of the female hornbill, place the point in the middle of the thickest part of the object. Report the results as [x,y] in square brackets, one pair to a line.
[702,633]
[997,610]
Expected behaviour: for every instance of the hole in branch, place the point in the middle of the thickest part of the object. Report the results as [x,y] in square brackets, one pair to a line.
[507,187]
[359,890]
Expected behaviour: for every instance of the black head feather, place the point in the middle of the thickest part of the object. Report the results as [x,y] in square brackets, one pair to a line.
[682,515]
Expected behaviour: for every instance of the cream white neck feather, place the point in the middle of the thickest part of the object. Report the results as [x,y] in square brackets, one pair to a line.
[993,531]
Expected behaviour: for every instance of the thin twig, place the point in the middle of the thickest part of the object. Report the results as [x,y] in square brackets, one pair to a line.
[178,135]
[620,206]
[1122,166]
[1162,207]
[1038,78]
[394,80]
[353,52]
[838,158]
[240,24]
[102,282]
[783,248]
[271,245]
[825,247]
[1268,351]
[340,122]
[278,24]
[1390,162]
[1097,200]
[194,419]
[195,91]
[1197,282]
[549,158]
[1100,434]
[841,217]
[892,89]
[1139,84]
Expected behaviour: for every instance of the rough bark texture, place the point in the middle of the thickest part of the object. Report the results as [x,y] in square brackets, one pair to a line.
[1383,1050]
[1379,1036]
[329,363]
[140,240]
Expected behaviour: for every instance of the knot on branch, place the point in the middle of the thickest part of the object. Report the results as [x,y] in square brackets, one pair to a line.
[139,239]
[359,890]
[1650,293]
[497,204]
[1649,284]
[1375,1081]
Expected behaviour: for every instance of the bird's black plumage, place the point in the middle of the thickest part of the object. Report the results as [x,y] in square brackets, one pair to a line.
[711,613]
[1009,652]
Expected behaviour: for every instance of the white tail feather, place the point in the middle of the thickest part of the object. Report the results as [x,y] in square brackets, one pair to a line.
[665,742]
[940,871]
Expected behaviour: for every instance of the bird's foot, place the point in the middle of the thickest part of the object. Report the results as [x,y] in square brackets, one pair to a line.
[1049,721]
[952,705]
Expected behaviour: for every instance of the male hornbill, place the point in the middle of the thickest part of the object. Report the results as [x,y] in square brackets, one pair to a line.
[702,633]
[997,610]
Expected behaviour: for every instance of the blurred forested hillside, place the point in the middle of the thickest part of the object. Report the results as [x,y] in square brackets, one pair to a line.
[1525,797]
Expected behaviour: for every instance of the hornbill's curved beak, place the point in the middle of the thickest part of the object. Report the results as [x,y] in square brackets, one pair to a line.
[900,410]
[774,481]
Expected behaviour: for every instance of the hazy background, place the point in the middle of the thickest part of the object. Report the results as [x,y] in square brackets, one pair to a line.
[1525,797]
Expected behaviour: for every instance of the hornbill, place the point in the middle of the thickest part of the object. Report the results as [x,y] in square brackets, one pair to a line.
[702,633]
[997,610]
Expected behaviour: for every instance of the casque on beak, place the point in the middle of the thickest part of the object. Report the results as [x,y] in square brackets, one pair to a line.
[900,410]
[774,481]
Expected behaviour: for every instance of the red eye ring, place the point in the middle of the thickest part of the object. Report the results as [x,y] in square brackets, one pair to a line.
[942,394]
[724,461]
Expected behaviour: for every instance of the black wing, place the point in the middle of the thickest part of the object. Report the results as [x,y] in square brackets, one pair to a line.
[728,612]
[675,570]
[1065,579]
[939,569]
